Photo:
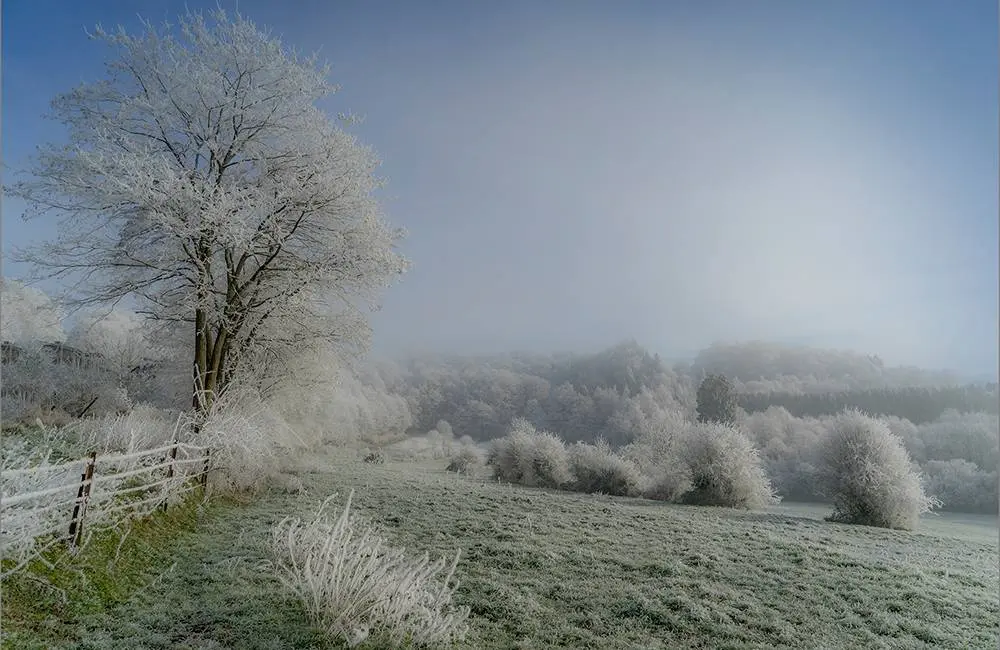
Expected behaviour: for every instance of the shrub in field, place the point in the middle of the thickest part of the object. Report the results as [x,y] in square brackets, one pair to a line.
[375,458]
[656,452]
[355,586]
[725,468]
[867,474]
[596,468]
[529,457]
[669,480]
[466,459]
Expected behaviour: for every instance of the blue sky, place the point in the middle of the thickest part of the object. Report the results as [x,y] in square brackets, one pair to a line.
[575,173]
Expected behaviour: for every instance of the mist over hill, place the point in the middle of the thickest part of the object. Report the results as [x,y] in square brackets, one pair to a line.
[769,367]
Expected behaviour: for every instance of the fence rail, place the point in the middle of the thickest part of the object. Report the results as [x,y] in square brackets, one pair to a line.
[42,506]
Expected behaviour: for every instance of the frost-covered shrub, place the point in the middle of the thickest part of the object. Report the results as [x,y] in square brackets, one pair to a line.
[248,441]
[868,476]
[725,468]
[596,468]
[356,587]
[669,481]
[466,459]
[656,451]
[529,457]
[44,375]
[143,427]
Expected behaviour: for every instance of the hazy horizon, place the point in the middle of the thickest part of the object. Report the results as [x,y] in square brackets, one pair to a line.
[577,174]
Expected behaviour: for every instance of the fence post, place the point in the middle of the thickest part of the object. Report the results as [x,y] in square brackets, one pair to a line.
[82,495]
[170,472]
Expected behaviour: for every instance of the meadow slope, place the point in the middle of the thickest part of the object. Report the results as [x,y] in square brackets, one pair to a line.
[544,569]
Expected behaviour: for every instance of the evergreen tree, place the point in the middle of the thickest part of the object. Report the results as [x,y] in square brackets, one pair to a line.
[716,400]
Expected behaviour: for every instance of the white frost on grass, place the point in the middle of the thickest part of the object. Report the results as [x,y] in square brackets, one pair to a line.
[355,585]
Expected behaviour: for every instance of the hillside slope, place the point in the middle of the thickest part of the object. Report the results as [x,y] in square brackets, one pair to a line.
[543,570]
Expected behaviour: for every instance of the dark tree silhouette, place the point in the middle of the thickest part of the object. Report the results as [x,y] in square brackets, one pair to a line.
[716,400]
[916,404]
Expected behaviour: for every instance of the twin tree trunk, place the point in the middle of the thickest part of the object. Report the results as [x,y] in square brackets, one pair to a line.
[212,342]
[211,347]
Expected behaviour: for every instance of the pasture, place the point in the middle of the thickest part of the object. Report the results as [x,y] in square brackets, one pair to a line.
[543,569]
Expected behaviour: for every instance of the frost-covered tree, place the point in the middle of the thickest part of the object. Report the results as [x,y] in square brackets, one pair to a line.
[326,402]
[28,315]
[43,377]
[969,436]
[716,400]
[119,336]
[961,485]
[202,179]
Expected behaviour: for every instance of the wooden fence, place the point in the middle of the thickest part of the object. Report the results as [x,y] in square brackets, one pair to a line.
[61,503]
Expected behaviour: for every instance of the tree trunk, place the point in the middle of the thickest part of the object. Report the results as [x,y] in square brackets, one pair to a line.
[200,361]
[203,395]
[214,383]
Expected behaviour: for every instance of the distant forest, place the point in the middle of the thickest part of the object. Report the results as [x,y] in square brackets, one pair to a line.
[919,405]
[584,396]
[787,398]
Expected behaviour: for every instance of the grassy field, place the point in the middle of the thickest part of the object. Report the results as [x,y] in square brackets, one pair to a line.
[546,569]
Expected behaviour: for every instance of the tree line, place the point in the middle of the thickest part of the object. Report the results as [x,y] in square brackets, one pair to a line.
[918,404]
